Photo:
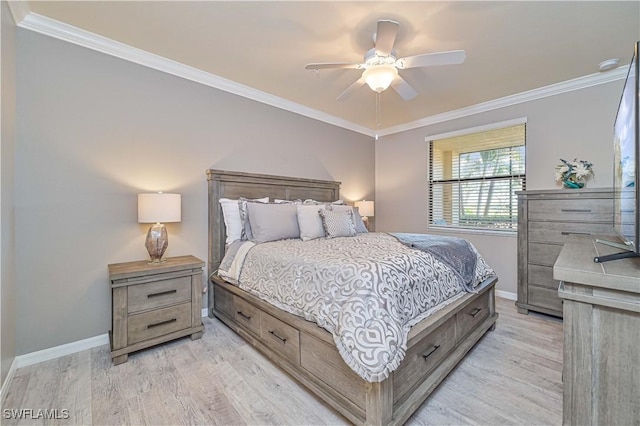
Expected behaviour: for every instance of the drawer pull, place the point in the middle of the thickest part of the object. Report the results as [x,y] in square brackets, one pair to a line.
[431,351]
[282,339]
[575,233]
[475,312]
[576,210]
[243,315]
[158,324]
[162,293]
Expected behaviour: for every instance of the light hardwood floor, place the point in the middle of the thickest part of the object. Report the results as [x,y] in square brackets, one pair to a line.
[513,376]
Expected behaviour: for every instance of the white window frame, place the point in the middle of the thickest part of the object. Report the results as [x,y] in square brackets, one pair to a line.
[463,132]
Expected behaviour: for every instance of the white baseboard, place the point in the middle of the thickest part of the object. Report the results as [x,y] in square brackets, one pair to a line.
[62,350]
[7,381]
[205,312]
[506,295]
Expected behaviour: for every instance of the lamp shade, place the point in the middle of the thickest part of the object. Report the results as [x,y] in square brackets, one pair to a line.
[159,207]
[379,77]
[365,208]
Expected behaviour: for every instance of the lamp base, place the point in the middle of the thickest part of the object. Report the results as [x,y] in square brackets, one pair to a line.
[157,242]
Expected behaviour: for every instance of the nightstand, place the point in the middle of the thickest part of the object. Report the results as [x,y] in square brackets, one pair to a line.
[154,303]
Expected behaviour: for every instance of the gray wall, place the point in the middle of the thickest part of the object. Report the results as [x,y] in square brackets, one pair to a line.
[576,124]
[7,261]
[94,131]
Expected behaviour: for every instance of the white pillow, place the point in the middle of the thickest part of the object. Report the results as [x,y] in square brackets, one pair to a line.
[232,221]
[310,222]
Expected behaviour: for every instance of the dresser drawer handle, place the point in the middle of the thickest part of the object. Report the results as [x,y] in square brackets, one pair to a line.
[282,339]
[158,324]
[431,351]
[475,312]
[575,233]
[576,210]
[162,293]
[243,315]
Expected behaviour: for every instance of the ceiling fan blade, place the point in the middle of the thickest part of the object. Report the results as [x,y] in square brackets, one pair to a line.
[327,65]
[356,85]
[403,88]
[453,57]
[386,36]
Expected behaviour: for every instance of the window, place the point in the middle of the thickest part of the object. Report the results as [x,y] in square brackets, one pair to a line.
[473,178]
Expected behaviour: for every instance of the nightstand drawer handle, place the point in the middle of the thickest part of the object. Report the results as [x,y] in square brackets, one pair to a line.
[278,337]
[158,324]
[575,233]
[431,351]
[162,293]
[577,210]
[475,312]
[243,315]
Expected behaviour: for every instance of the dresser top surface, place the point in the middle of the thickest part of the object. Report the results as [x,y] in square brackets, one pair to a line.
[575,264]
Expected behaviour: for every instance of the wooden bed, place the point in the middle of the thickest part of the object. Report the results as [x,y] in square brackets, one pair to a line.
[307,352]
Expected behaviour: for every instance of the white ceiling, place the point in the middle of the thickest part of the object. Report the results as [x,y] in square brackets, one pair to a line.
[511,47]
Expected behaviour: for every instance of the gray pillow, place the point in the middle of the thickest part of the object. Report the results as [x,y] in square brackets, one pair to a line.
[271,222]
[338,223]
[357,219]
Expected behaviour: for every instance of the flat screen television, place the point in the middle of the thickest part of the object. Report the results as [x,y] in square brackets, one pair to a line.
[626,163]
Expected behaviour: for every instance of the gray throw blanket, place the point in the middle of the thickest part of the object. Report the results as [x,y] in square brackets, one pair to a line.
[452,251]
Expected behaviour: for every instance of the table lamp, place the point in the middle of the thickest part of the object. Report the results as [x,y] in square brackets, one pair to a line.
[157,208]
[366,210]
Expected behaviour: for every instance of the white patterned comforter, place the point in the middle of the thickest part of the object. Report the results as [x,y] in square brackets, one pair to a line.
[367,290]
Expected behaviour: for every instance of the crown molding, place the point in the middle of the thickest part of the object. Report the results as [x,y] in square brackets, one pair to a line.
[62,31]
[56,29]
[518,98]
[19,10]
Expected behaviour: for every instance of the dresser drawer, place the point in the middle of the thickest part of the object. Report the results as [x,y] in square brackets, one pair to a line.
[423,357]
[281,337]
[156,294]
[223,301]
[247,315]
[473,314]
[544,254]
[159,322]
[541,276]
[557,232]
[573,210]
[545,298]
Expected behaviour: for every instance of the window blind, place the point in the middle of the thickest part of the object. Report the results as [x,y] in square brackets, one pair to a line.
[473,179]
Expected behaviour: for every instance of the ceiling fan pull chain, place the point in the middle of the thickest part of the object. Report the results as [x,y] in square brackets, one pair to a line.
[378,110]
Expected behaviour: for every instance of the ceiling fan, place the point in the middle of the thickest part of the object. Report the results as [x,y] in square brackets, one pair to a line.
[381,64]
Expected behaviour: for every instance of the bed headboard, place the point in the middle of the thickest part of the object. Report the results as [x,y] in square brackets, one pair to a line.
[226,184]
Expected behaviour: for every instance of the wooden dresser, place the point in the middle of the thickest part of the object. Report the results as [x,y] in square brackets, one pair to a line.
[545,219]
[154,303]
[601,368]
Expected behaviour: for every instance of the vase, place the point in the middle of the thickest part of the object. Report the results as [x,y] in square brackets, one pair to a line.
[568,183]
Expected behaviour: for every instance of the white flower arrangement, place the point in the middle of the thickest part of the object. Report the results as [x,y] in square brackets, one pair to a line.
[572,173]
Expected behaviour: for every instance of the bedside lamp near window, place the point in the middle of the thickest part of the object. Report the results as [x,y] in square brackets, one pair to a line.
[157,208]
[366,209]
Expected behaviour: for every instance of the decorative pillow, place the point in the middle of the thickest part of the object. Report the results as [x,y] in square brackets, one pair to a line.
[357,219]
[246,225]
[338,223]
[232,220]
[271,222]
[277,201]
[310,222]
[310,201]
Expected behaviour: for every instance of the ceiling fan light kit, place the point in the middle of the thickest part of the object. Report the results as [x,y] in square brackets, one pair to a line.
[379,77]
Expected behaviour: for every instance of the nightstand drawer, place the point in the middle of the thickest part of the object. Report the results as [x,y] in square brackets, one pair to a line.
[157,294]
[159,322]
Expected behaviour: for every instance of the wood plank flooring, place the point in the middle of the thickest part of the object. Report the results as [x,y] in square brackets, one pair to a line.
[513,376]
